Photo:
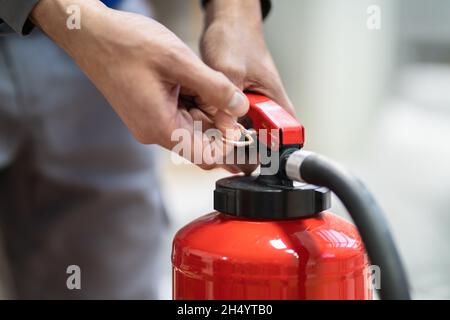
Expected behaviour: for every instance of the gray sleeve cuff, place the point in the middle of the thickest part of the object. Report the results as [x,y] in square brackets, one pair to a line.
[14,16]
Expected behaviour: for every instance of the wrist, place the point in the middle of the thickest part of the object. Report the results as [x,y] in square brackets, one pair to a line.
[234,11]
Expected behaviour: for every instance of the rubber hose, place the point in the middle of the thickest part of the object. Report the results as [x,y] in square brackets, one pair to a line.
[368,218]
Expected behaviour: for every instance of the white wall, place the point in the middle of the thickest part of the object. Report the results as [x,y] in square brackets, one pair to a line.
[335,70]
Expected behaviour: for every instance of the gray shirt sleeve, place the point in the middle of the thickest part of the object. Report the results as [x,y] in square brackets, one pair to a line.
[14,16]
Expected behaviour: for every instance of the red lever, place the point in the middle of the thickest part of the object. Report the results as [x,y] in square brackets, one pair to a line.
[267,114]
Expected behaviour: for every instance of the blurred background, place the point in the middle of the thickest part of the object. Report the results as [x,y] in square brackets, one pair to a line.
[378,101]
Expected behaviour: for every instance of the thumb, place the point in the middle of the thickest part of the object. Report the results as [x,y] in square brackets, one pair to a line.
[214,88]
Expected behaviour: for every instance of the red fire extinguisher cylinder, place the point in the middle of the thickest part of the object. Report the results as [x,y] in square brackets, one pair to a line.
[272,239]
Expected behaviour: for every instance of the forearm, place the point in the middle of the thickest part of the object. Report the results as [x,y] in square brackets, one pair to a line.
[51,17]
[248,11]
[233,43]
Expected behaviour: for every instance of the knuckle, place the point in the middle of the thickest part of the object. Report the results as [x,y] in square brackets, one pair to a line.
[177,53]
[173,56]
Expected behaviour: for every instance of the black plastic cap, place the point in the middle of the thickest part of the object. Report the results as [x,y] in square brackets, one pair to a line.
[244,196]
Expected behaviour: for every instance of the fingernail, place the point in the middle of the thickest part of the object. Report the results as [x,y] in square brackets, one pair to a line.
[238,101]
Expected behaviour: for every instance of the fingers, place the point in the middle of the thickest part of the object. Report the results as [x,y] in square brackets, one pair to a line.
[192,143]
[276,92]
[266,81]
[213,87]
[227,125]
[205,148]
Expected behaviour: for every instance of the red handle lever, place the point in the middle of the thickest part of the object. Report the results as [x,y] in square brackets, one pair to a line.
[282,128]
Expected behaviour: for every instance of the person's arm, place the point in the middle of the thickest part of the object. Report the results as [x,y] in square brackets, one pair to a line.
[233,42]
[141,68]
[14,16]
[265,5]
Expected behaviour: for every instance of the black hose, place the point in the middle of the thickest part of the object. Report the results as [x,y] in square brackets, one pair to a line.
[368,218]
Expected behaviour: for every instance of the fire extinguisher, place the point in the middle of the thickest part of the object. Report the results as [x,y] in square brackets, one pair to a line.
[271,238]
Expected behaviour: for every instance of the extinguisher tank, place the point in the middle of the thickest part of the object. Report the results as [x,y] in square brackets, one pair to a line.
[269,242]
[272,238]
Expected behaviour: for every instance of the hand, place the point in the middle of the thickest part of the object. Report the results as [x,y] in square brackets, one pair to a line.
[233,43]
[142,69]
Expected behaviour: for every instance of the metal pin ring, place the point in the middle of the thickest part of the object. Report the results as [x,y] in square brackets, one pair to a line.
[248,138]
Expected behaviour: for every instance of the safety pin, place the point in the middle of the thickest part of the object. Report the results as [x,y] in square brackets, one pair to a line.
[248,138]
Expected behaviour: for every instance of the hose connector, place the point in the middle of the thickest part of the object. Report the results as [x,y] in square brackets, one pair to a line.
[294,162]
